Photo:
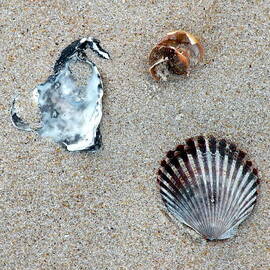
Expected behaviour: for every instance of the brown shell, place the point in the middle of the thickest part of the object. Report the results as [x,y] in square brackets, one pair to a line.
[179,50]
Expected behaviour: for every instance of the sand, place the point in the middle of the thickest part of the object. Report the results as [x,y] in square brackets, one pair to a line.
[61,210]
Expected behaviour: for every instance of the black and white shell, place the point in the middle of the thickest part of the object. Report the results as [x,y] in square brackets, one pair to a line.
[209,185]
[69,107]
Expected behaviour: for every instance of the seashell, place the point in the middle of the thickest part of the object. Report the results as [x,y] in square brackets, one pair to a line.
[177,53]
[68,106]
[209,185]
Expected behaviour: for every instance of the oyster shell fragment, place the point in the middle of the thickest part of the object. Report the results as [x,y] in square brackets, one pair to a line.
[176,53]
[209,185]
[68,106]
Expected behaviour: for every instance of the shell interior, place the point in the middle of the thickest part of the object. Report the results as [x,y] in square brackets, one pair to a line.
[70,101]
[209,185]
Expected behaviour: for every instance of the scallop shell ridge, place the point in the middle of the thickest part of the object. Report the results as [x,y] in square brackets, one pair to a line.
[209,185]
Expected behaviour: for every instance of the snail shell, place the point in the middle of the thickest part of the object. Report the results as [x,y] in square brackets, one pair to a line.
[177,53]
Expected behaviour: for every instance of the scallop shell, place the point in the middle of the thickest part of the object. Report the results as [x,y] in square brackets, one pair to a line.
[67,107]
[177,52]
[209,185]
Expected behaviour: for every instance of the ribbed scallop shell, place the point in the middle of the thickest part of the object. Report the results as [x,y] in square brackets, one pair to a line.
[209,185]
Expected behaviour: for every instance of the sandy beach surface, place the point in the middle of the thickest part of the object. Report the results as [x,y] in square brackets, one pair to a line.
[97,211]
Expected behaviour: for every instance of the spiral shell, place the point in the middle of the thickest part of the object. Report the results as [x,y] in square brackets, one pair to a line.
[177,53]
[209,185]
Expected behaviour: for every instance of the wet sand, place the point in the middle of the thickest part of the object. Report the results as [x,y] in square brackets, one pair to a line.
[61,210]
